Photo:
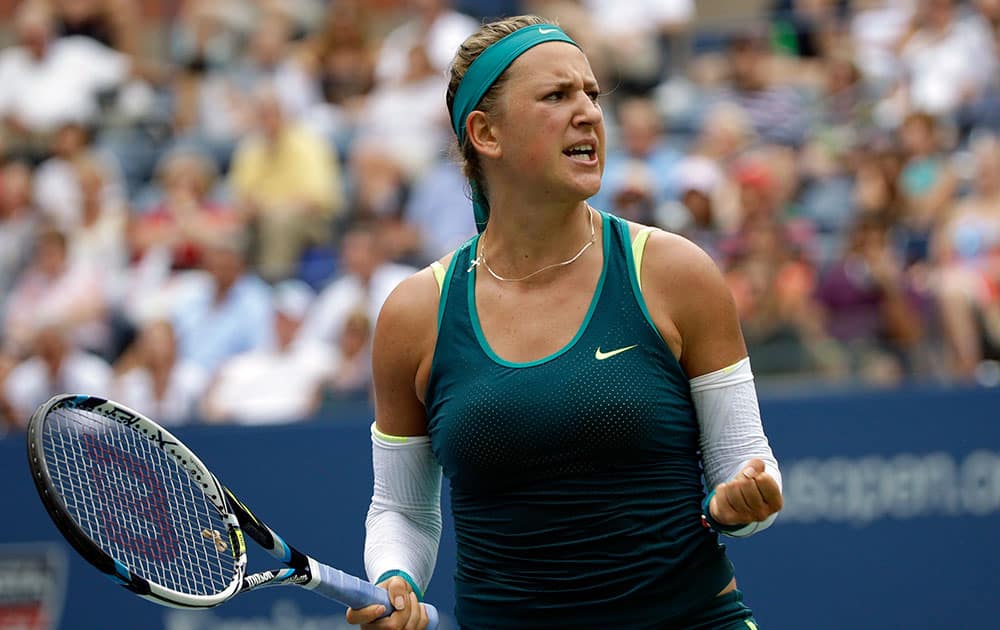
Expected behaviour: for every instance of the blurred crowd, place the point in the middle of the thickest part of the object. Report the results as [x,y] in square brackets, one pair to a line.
[202,210]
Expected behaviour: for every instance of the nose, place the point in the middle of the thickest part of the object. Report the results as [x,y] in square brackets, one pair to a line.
[588,111]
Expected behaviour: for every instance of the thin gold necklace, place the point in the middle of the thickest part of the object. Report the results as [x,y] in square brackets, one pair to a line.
[481,258]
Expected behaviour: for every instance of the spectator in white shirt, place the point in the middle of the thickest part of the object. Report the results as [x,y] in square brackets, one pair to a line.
[948,58]
[278,384]
[55,367]
[366,281]
[49,81]
[433,24]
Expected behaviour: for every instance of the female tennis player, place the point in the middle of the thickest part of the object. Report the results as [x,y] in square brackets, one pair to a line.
[573,375]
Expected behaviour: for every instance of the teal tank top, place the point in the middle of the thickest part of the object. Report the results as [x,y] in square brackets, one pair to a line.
[575,479]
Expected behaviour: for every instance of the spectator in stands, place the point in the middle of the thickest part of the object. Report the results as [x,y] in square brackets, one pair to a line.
[403,118]
[99,240]
[777,111]
[641,139]
[352,372]
[871,308]
[208,112]
[341,57]
[18,224]
[697,181]
[53,366]
[344,53]
[937,54]
[59,291]
[805,29]
[287,185]
[724,137]
[112,23]
[842,121]
[278,384]
[49,81]
[875,27]
[927,185]
[149,376]
[225,50]
[432,24]
[366,280]
[966,252]
[875,170]
[271,59]
[207,34]
[773,284]
[226,313]
[637,36]
[187,212]
[861,110]
[380,182]
[56,184]
[437,217]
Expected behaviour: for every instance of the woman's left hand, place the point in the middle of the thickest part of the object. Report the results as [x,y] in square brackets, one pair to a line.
[751,496]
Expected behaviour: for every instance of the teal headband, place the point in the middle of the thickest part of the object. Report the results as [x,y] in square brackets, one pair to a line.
[480,77]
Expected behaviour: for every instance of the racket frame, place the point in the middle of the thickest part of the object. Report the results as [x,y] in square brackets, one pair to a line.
[214,492]
[302,570]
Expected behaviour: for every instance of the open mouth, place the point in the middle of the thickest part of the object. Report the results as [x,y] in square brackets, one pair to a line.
[581,152]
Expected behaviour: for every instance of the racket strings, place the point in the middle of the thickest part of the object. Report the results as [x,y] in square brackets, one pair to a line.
[136,503]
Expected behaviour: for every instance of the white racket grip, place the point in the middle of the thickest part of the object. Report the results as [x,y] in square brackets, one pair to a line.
[355,592]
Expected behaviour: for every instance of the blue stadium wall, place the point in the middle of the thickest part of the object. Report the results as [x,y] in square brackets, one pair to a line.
[892,520]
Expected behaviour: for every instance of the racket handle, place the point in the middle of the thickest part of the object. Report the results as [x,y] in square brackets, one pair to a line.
[355,592]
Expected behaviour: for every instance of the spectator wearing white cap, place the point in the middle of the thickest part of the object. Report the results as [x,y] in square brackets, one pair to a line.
[697,181]
[274,385]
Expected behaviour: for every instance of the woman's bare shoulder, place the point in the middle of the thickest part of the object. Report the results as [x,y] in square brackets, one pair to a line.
[688,263]
[411,310]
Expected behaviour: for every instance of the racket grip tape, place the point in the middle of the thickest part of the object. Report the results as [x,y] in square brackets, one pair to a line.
[356,592]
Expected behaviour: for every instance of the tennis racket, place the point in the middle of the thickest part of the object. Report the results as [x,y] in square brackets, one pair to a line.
[145,511]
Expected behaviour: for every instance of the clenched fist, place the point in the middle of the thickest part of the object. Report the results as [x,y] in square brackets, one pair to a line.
[751,496]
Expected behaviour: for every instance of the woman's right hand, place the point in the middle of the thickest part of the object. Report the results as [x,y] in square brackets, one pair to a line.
[408,614]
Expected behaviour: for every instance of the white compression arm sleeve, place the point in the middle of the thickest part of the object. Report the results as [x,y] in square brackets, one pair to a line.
[731,429]
[403,527]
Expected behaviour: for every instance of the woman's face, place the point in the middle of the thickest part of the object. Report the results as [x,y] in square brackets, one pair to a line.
[550,127]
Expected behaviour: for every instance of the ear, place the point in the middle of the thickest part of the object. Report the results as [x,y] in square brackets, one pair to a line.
[483,135]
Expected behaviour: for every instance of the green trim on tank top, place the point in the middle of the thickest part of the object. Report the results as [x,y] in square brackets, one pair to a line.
[474,312]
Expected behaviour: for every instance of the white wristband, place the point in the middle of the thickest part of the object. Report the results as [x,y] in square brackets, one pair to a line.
[403,527]
[731,430]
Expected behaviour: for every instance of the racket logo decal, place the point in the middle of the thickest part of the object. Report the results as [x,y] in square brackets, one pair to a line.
[260,578]
[146,530]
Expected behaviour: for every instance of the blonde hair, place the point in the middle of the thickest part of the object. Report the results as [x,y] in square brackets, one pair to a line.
[487,35]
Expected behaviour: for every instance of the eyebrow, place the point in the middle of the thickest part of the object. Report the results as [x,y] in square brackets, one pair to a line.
[567,84]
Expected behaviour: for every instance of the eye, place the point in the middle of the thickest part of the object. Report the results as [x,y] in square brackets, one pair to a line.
[594,95]
[554,96]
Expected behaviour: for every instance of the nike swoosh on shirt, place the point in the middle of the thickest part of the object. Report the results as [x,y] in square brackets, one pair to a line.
[600,356]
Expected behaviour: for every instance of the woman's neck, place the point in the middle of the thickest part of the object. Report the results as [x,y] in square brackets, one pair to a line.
[516,243]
